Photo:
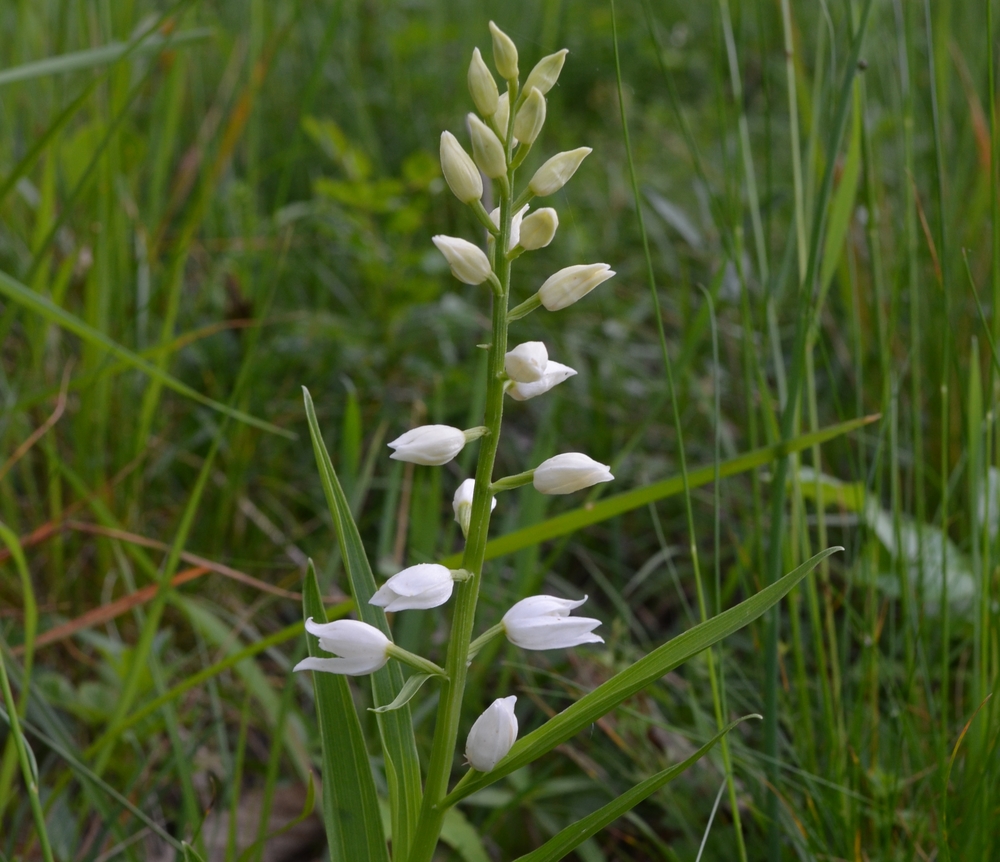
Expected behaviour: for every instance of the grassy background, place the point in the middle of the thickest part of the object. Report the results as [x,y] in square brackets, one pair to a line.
[242,204]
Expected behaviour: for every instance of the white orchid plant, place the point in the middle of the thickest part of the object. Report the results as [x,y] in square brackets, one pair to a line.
[502,135]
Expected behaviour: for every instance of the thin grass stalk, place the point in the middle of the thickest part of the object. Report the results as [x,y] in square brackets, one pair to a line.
[825,637]
[717,681]
[944,402]
[746,154]
[26,761]
[826,688]
[789,414]
[12,753]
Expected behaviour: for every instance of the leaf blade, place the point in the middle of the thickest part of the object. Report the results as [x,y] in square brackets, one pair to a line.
[399,745]
[647,670]
[350,804]
[568,839]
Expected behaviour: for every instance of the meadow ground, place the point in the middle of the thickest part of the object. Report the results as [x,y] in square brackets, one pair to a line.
[206,205]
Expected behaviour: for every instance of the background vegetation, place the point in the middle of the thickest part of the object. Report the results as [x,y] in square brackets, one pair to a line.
[206,205]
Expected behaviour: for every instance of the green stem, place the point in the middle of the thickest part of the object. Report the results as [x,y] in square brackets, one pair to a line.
[449,710]
[509,483]
[524,309]
[418,663]
[481,641]
[30,778]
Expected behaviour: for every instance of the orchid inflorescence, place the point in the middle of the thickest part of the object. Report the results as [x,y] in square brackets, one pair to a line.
[502,134]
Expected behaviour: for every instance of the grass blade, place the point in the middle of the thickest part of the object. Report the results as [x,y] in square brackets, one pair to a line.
[623,685]
[350,804]
[41,305]
[563,843]
[93,57]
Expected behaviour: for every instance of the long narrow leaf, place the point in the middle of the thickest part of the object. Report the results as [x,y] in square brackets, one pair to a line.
[92,57]
[618,504]
[402,764]
[350,804]
[623,685]
[564,842]
[25,296]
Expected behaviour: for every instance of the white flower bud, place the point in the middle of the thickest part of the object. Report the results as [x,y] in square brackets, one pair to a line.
[360,648]
[572,283]
[564,474]
[539,228]
[502,116]
[504,53]
[543,622]
[546,72]
[493,734]
[526,362]
[555,373]
[431,445]
[556,172]
[530,117]
[515,224]
[487,149]
[462,504]
[482,86]
[419,587]
[459,170]
[468,262]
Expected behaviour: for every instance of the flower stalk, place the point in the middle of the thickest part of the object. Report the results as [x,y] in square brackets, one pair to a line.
[467,593]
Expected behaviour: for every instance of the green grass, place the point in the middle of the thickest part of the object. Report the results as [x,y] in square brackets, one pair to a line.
[196,221]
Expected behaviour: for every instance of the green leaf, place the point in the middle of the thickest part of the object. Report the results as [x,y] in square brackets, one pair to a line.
[402,765]
[563,843]
[25,296]
[594,513]
[410,688]
[623,685]
[350,804]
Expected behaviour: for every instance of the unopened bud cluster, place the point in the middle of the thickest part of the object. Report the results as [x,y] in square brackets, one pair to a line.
[508,124]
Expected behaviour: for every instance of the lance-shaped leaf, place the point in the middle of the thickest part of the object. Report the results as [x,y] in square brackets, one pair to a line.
[402,765]
[565,841]
[623,685]
[350,804]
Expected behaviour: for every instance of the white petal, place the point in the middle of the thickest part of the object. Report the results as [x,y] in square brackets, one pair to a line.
[345,666]
[555,373]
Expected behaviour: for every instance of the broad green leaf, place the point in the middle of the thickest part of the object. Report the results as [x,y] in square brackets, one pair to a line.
[594,513]
[92,57]
[558,846]
[623,685]
[350,804]
[402,765]
[412,685]
[25,296]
